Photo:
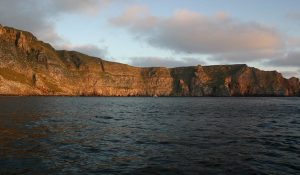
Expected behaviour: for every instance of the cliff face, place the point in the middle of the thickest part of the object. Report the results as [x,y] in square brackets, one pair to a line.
[31,67]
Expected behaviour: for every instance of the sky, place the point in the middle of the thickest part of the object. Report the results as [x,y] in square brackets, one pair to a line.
[170,33]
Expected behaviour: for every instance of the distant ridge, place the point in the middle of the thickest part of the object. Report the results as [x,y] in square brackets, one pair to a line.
[31,67]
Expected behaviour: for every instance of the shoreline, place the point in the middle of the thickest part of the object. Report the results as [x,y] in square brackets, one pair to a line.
[12,95]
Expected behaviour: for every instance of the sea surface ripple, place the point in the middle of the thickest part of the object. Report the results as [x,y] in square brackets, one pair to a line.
[140,135]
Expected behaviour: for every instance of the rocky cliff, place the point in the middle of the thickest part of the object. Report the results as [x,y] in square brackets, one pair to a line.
[31,67]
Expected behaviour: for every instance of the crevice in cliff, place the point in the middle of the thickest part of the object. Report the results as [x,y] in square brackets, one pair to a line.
[102,66]
[34,79]
[18,35]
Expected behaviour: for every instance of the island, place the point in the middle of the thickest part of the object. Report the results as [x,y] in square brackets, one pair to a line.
[29,67]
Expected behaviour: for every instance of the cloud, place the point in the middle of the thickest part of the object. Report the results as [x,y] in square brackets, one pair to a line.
[86,6]
[164,62]
[244,57]
[89,49]
[27,15]
[295,16]
[39,16]
[293,42]
[131,15]
[291,59]
[289,74]
[191,32]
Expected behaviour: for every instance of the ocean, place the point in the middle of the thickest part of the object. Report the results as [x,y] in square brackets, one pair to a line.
[146,135]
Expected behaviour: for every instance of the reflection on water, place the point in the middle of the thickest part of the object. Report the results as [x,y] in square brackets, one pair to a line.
[65,135]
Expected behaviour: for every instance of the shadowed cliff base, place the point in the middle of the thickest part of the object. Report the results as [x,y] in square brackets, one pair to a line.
[31,67]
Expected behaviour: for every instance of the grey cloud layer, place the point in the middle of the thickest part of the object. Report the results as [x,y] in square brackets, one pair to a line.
[191,32]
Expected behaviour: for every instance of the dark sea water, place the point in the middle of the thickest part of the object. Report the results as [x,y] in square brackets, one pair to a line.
[99,135]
